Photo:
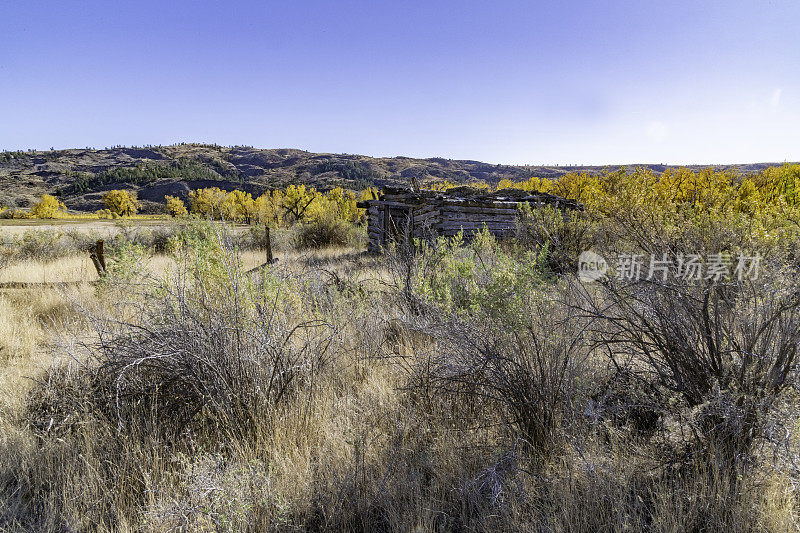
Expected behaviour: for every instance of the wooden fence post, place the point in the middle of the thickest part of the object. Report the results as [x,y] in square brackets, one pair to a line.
[269,246]
[98,258]
[101,256]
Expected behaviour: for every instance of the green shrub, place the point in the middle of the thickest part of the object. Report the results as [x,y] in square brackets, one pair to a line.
[327,230]
[561,236]
[480,278]
[42,245]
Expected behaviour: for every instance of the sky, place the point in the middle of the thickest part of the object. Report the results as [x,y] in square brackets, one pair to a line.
[515,82]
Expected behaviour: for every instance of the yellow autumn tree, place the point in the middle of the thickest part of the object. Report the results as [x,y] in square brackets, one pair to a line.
[208,202]
[121,203]
[369,194]
[175,206]
[239,206]
[576,186]
[268,207]
[508,184]
[747,198]
[48,207]
[442,185]
[343,204]
[298,202]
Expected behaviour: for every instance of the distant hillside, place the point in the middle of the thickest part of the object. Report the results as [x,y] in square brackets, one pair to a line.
[80,176]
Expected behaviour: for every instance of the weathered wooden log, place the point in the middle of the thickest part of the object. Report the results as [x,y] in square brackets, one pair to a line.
[478,217]
[466,232]
[476,224]
[473,229]
[426,220]
[427,223]
[503,204]
[478,210]
[390,203]
[101,256]
[95,254]
[268,244]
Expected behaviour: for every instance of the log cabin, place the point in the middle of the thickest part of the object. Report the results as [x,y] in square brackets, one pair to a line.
[400,214]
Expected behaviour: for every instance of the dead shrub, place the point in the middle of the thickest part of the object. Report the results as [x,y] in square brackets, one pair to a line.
[531,376]
[207,353]
[624,399]
[726,350]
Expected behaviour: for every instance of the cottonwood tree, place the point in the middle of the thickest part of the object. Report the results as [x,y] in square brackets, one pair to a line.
[297,200]
[175,206]
[121,203]
[48,207]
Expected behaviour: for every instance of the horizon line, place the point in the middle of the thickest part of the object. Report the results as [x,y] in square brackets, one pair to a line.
[557,164]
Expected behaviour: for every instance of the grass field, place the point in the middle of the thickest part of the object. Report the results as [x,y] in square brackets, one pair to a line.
[470,386]
[18,227]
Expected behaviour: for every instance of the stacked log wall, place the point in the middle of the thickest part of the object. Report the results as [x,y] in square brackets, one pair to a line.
[500,218]
[374,228]
[447,216]
[425,219]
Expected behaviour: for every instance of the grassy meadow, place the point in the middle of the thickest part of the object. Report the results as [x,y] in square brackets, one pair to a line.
[449,385]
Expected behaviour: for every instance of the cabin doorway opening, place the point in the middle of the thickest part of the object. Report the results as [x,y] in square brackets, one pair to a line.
[398,225]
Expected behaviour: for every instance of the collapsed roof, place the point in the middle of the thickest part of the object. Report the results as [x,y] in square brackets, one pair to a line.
[475,195]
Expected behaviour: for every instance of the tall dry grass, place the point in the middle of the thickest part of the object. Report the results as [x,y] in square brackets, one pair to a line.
[451,389]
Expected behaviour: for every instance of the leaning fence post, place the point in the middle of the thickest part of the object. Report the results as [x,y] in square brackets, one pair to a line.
[98,259]
[101,255]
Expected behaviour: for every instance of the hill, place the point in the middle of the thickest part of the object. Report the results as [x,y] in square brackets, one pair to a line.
[80,176]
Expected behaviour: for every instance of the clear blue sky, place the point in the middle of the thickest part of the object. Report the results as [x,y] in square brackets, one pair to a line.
[504,81]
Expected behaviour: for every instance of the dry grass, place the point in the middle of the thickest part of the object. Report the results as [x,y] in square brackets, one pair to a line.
[366,442]
[101,227]
[80,268]
[68,269]
[29,321]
